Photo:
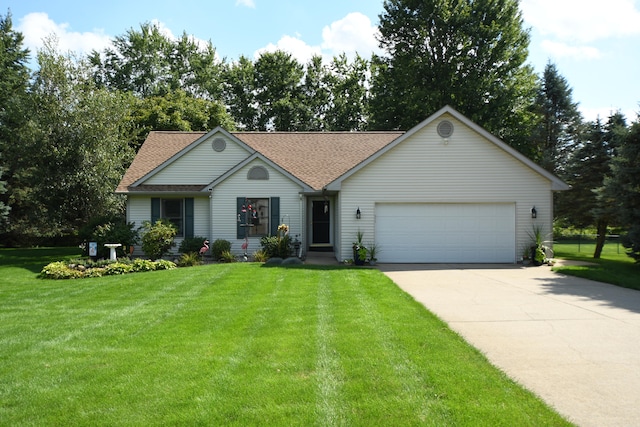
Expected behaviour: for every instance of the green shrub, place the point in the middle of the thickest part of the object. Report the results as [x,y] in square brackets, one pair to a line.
[219,247]
[60,270]
[189,259]
[140,265]
[227,256]
[260,256]
[162,264]
[110,229]
[117,268]
[276,246]
[191,244]
[157,239]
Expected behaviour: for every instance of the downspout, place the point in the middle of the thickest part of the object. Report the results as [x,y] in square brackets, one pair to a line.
[211,214]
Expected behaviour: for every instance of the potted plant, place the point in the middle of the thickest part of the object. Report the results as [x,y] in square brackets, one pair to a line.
[372,251]
[359,250]
[538,250]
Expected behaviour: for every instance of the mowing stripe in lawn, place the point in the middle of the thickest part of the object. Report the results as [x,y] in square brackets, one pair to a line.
[328,368]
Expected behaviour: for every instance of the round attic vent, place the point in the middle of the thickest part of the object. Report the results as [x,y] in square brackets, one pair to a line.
[219,144]
[445,129]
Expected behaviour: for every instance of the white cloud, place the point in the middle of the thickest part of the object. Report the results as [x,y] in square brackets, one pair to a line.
[563,50]
[300,50]
[37,26]
[582,21]
[247,3]
[350,35]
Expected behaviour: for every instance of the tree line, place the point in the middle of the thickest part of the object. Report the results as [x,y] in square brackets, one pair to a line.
[69,129]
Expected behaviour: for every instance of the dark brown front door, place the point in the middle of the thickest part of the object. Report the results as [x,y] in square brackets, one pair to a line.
[320,222]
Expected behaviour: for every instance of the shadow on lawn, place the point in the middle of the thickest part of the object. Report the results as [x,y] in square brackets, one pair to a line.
[34,259]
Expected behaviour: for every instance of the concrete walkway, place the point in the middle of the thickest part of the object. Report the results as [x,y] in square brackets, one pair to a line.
[573,342]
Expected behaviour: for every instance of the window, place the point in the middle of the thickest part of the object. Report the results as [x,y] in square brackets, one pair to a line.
[172,209]
[257,217]
[258,172]
[178,211]
[254,215]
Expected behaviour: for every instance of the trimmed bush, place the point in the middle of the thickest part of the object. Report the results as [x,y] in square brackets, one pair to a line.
[219,247]
[191,244]
[157,238]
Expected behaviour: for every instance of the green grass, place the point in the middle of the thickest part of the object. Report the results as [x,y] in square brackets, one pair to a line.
[613,266]
[240,344]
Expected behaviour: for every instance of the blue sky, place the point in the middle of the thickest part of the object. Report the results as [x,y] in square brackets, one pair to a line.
[594,44]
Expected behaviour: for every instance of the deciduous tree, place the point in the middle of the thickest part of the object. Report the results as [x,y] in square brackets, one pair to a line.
[469,54]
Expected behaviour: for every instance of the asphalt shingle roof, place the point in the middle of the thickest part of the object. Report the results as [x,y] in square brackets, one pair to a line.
[316,158]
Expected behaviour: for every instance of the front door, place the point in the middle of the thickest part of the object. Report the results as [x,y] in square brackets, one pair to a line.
[320,222]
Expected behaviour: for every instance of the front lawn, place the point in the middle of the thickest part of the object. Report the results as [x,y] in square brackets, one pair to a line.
[613,266]
[240,344]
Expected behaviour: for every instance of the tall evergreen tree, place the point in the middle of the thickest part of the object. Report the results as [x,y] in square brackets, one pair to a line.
[469,54]
[589,164]
[622,187]
[14,117]
[560,122]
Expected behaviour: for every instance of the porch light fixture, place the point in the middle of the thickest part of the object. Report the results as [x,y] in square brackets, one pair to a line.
[358,215]
[534,212]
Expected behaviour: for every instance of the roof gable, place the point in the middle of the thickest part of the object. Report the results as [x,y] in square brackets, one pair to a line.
[556,183]
[311,158]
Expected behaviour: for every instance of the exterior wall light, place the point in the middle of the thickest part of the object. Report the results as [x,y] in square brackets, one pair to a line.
[534,212]
[358,214]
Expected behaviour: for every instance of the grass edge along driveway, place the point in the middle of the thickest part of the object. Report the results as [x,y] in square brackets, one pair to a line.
[242,345]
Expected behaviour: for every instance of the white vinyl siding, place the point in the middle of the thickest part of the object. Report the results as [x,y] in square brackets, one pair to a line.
[224,204]
[201,165]
[423,169]
[139,210]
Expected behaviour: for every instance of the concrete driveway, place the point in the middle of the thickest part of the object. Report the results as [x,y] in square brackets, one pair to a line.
[573,342]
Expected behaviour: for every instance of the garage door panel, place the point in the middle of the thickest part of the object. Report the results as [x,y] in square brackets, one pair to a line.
[446,232]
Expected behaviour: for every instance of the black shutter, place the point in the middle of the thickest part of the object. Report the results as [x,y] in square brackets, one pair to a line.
[275,215]
[188,217]
[239,229]
[155,210]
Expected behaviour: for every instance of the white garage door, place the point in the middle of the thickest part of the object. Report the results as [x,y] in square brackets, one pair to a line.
[455,233]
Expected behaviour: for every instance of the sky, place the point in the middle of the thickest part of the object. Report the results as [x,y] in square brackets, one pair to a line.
[594,44]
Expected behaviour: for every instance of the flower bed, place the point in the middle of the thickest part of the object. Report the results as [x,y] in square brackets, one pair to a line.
[82,268]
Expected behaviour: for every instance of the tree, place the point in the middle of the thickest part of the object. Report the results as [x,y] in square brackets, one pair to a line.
[278,91]
[348,105]
[240,94]
[622,187]
[150,63]
[560,121]
[316,96]
[177,110]
[4,209]
[589,164]
[73,152]
[469,54]
[14,81]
